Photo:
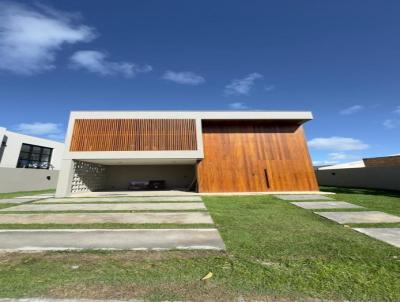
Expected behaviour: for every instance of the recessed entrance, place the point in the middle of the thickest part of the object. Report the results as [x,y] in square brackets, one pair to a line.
[117,176]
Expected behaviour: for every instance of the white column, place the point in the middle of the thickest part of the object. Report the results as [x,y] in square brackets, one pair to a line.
[65,178]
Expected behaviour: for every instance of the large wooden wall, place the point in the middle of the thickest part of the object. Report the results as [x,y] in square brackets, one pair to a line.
[133,135]
[239,154]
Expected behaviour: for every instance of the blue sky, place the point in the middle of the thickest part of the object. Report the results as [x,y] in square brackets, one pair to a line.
[339,59]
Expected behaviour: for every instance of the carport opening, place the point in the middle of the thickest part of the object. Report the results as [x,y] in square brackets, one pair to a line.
[100,176]
[150,177]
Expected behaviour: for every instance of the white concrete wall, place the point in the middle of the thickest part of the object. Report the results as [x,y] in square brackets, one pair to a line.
[19,179]
[387,178]
[14,142]
[177,176]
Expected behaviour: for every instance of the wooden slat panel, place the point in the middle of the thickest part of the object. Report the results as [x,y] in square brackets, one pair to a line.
[237,152]
[386,161]
[133,135]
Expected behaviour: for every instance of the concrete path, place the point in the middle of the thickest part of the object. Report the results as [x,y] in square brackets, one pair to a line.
[313,205]
[388,235]
[303,197]
[359,217]
[34,197]
[15,200]
[106,207]
[135,193]
[127,239]
[121,199]
[84,218]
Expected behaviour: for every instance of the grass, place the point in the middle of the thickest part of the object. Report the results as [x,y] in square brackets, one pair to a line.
[274,251]
[24,193]
[385,201]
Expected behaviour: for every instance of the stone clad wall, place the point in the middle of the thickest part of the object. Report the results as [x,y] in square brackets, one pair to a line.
[88,177]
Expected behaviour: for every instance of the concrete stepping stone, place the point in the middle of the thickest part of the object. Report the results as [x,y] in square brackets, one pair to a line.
[303,197]
[106,207]
[388,235]
[15,200]
[33,197]
[313,205]
[123,239]
[84,218]
[359,217]
[121,199]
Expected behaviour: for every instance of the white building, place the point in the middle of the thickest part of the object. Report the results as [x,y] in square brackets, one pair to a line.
[24,151]
[27,162]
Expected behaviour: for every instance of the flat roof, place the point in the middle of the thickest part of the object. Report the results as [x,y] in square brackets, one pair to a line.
[205,115]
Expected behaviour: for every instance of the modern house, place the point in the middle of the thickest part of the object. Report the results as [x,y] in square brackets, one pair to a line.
[203,151]
[27,162]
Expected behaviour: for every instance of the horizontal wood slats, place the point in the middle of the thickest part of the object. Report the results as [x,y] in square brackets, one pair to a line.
[387,161]
[254,156]
[133,135]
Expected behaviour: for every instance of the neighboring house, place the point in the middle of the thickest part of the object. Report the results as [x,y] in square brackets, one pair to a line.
[375,172]
[27,162]
[218,151]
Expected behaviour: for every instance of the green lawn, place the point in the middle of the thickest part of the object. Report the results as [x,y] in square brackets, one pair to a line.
[24,193]
[274,250]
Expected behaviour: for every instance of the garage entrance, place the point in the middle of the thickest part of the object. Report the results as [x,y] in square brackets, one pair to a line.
[150,177]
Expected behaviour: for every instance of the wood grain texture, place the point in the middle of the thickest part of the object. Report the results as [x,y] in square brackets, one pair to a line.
[239,154]
[385,161]
[133,135]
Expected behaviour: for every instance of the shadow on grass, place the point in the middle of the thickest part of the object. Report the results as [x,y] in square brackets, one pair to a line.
[344,190]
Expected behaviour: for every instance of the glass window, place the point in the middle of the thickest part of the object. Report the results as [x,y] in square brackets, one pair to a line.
[36,149]
[26,148]
[35,157]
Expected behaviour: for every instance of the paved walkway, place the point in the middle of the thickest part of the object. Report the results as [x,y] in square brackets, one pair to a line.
[388,235]
[153,210]
[15,200]
[359,217]
[39,240]
[122,199]
[85,218]
[313,205]
[106,207]
[303,197]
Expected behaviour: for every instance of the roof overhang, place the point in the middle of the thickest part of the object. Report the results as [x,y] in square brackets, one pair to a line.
[300,116]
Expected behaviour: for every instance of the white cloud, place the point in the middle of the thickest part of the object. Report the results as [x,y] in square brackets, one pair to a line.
[352,110]
[338,156]
[336,143]
[397,110]
[391,123]
[183,77]
[324,162]
[269,88]
[238,106]
[30,36]
[96,62]
[242,86]
[50,130]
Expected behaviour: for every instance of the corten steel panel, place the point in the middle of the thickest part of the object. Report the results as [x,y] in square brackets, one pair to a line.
[133,135]
[238,155]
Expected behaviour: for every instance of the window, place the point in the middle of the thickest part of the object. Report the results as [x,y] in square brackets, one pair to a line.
[34,157]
